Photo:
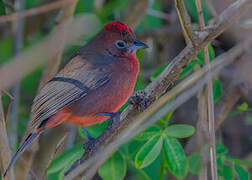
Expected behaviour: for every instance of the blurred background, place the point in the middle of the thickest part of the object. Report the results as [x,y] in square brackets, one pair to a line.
[156,23]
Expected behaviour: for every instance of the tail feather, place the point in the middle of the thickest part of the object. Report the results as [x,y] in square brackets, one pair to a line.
[21,149]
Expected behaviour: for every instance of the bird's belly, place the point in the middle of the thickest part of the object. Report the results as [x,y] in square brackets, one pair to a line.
[108,98]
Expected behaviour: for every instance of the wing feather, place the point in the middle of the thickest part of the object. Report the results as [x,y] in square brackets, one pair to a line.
[55,95]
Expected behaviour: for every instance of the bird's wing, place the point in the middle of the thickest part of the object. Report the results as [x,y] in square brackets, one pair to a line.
[72,83]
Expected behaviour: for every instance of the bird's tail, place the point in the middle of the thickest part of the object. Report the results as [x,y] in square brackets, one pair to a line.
[21,149]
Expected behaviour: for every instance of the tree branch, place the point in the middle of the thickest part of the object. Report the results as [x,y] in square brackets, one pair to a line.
[5,155]
[108,142]
[36,11]
[210,103]
[185,22]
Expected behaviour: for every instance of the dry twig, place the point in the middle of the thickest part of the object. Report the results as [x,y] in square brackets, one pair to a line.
[185,22]
[210,102]
[36,11]
[5,155]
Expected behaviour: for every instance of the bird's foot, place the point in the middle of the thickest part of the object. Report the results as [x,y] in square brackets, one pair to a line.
[115,118]
[141,100]
[87,146]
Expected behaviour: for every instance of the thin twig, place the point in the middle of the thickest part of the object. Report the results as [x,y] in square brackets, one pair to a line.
[5,155]
[211,8]
[158,14]
[11,100]
[185,22]
[210,102]
[36,11]
[18,28]
[53,155]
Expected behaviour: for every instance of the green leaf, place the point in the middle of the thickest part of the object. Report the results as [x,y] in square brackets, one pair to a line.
[194,162]
[137,173]
[242,173]
[114,168]
[133,147]
[239,161]
[221,149]
[180,130]
[149,151]
[66,158]
[200,56]
[169,115]
[175,157]
[217,89]
[94,130]
[243,107]
[148,133]
[220,161]
[227,173]
[191,7]
[150,21]
[5,49]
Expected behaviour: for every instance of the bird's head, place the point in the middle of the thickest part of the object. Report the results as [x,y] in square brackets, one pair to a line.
[119,40]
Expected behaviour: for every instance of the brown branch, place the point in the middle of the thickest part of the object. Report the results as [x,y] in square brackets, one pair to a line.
[5,155]
[36,11]
[202,132]
[185,22]
[105,144]
[210,102]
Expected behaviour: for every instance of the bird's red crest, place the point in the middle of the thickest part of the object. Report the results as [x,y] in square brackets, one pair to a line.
[118,26]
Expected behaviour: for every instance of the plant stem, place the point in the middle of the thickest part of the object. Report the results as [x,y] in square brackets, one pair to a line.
[210,102]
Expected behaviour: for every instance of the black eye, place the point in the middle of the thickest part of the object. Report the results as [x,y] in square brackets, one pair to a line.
[120,44]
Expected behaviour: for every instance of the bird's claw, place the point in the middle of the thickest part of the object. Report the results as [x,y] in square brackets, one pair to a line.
[88,146]
[115,118]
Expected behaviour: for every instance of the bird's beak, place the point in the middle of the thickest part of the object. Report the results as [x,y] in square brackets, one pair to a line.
[138,45]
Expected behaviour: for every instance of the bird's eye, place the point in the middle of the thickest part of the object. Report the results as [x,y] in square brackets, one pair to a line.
[120,44]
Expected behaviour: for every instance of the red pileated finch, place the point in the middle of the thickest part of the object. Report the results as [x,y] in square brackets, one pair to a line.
[97,81]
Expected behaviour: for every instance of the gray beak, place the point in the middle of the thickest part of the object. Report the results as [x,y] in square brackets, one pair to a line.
[138,45]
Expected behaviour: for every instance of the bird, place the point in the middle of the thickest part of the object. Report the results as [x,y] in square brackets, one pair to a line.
[98,79]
